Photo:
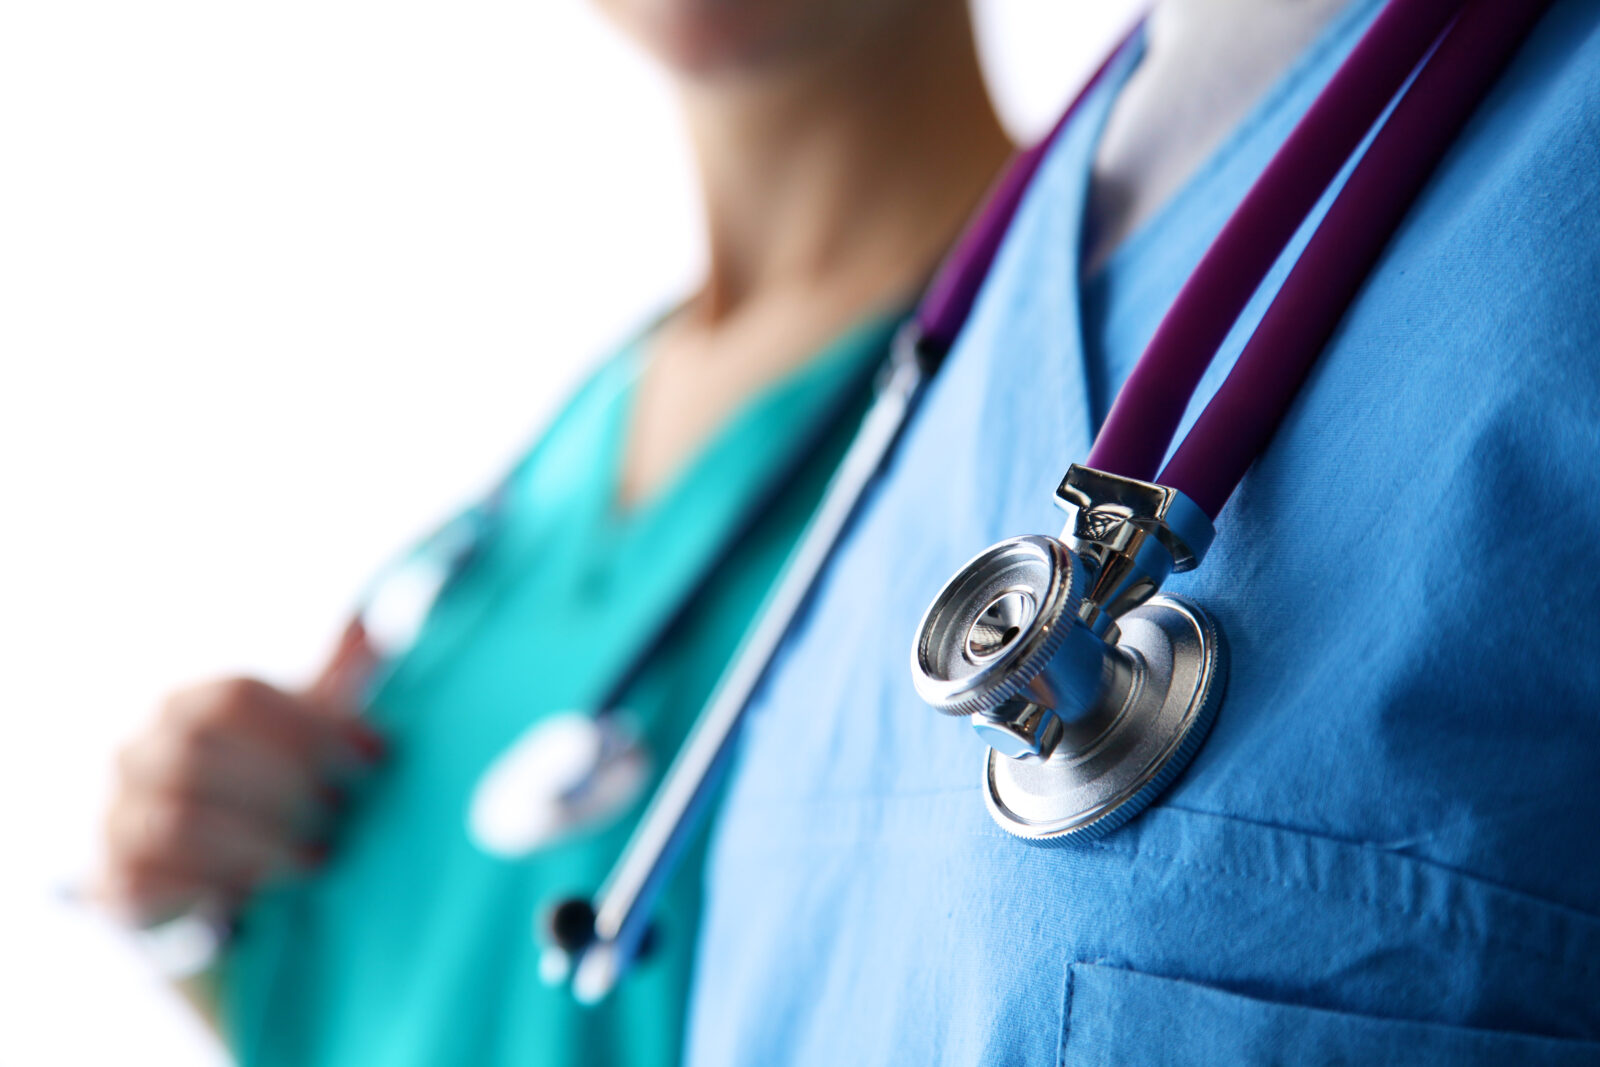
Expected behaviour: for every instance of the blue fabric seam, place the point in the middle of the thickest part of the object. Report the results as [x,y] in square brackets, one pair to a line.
[1205,988]
[1471,877]
[1372,904]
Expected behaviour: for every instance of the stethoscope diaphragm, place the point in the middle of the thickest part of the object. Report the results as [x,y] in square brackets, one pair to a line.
[566,772]
[1171,669]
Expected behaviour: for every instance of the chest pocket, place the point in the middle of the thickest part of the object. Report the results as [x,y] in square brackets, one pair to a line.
[1131,1019]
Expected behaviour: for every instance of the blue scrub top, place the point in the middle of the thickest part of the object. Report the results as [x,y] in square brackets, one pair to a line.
[1387,851]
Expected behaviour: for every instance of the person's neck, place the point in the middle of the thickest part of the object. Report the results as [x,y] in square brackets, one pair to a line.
[849,173]
[1206,63]
[831,189]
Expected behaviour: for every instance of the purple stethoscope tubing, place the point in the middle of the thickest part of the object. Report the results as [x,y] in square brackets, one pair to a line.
[1146,413]
[1241,418]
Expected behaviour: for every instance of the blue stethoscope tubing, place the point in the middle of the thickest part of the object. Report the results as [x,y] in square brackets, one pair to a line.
[594,941]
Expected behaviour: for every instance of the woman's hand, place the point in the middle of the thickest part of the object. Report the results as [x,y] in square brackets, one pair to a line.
[233,783]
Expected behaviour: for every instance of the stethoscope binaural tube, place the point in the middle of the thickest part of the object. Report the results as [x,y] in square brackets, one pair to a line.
[1092,691]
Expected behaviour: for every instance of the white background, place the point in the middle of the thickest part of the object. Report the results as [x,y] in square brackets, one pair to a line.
[280,283]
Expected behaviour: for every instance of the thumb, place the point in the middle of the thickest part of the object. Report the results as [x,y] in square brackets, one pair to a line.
[341,685]
[339,691]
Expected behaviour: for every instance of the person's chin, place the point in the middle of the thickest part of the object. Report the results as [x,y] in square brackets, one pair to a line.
[727,47]
[712,39]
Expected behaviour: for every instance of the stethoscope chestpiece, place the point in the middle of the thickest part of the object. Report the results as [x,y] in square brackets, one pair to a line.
[999,645]
[1091,691]
[567,772]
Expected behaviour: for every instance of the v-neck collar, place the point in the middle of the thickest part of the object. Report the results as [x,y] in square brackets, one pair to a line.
[621,577]
[1070,171]
[811,385]
[656,553]
[1332,41]
[1055,211]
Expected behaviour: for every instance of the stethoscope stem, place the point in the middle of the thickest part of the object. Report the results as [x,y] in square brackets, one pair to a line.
[596,958]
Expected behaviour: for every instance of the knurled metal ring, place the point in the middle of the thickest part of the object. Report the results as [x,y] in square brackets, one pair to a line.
[944,671]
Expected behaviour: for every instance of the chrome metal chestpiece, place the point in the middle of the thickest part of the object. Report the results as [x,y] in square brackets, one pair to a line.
[1092,691]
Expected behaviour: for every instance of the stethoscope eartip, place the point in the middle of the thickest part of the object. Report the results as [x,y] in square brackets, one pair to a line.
[574,950]
[569,926]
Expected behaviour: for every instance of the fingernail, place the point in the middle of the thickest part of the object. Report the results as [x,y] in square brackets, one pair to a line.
[368,742]
[331,797]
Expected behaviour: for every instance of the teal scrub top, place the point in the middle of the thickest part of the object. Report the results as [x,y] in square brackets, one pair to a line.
[413,946]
